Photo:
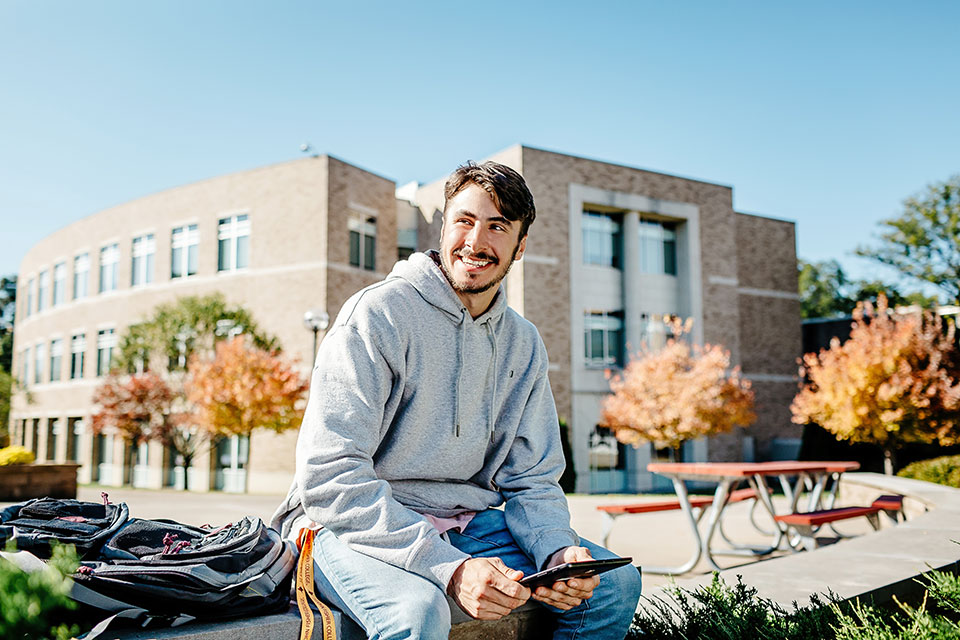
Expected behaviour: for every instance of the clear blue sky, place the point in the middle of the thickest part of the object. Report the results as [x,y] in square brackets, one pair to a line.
[828,114]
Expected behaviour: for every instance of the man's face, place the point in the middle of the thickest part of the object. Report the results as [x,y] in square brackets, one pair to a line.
[477,244]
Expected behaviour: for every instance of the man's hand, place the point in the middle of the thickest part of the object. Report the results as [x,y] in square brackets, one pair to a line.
[487,589]
[566,594]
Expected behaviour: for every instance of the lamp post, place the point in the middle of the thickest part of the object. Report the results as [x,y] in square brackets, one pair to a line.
[316,321]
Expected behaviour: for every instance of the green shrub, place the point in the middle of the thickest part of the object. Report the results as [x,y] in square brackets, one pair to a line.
[15,455]
[33,605]
[722,612]
[942,470]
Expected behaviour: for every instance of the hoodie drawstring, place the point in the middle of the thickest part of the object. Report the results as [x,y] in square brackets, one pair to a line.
[460,363]
[491,416]
[493,396]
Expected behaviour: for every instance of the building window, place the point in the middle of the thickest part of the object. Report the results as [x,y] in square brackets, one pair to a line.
[184,243]
[43,287]
[363,241]
[78,346]
[141,266]
[29,309]
[658,247]
[233,234]
[603,338]
[38,364]
[109,261]
[106,341]
[25,367]
[602,239]
[56,359]
[59,283]
[81,275]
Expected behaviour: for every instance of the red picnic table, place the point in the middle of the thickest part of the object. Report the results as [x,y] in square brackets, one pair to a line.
[808,476]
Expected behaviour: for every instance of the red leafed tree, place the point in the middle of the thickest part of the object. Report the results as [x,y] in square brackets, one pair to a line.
[677,393]
[893,381]
[243,388]
[139,408]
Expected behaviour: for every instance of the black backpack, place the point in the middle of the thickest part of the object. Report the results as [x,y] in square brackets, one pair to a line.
[34,524]
[161,572]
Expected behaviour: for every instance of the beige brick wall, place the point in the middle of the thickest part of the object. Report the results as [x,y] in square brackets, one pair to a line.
[769,310]
[290,271]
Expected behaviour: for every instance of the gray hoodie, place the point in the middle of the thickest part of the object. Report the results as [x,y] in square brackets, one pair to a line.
[417,408]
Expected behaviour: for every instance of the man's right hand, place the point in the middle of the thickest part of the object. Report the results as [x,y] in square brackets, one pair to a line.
[487,589]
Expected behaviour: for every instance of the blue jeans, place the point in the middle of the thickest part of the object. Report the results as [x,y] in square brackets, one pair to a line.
[390,603]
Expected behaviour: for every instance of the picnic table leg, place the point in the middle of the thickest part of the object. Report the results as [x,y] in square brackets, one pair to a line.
[716,508]
[759,484]
[684,499]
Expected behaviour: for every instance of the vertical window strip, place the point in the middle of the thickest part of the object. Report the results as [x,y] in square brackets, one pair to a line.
[56,359]
[109,260]
[43,283]
[233,239]
[184,242]
[59,283]
[362,231]
[81,275]
[78,346]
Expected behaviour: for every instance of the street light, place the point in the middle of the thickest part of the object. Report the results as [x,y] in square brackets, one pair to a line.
[316,321]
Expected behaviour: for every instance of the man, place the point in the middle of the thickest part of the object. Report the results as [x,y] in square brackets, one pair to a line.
[429,408]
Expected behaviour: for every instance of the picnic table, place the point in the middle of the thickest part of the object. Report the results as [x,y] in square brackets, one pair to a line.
[795,478]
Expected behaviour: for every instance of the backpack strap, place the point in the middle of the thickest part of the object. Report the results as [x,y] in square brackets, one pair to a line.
[305,589]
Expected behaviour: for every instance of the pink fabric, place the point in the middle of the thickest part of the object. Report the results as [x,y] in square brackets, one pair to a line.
[458,522]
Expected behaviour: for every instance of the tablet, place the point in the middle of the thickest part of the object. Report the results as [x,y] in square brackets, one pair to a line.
[572,570]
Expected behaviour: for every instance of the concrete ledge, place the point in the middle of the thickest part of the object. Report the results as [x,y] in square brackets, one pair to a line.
[528,621]
[877,565]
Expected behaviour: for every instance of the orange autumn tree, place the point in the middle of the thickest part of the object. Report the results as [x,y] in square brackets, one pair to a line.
[676,393]
[243,388]
[892,382]
[139,408]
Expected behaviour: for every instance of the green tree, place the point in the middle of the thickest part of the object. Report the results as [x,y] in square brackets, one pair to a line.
[175,331]
[923,242]
[827,292]
[823,287]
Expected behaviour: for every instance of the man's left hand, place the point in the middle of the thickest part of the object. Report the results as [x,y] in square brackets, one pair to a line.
[567,594]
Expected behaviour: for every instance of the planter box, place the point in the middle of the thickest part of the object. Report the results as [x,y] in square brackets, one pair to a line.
[24,481]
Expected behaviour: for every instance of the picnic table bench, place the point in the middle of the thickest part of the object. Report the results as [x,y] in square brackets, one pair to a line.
[698,503]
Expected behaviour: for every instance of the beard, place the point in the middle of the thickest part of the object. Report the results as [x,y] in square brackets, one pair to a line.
[478,288]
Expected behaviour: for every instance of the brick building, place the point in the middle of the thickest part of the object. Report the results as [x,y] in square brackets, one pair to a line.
[612,251]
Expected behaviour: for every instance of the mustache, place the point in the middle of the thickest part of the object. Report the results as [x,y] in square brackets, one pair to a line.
[463,253]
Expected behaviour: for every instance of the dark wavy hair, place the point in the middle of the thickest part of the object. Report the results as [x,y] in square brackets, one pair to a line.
[506,187]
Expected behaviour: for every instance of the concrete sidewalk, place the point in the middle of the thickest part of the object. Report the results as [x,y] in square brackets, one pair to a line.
[652,538]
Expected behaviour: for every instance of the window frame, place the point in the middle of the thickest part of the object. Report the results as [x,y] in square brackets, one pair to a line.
[143,249]
[363,227]
[607,323]
[232,232]
[109,267]
[186,239]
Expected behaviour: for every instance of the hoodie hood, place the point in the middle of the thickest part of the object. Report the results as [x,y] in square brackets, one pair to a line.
[423,272]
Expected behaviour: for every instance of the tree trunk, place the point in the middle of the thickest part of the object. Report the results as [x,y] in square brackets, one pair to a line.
[889,458]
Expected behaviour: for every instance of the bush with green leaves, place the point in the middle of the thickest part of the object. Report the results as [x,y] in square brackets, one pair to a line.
[15,455]
[942,470]
[35,605]
[722,612]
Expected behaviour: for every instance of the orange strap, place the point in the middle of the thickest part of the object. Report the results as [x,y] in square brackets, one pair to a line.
[305,589]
